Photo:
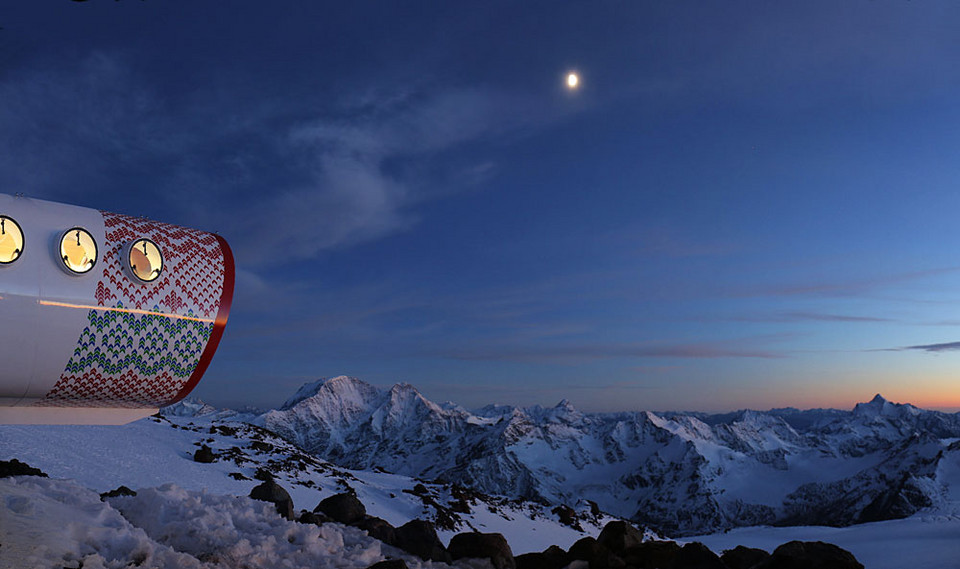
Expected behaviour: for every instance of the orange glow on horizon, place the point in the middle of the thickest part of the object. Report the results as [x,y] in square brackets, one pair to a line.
[931,397]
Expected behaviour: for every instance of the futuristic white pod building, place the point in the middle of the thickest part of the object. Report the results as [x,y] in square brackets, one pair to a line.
[104,317]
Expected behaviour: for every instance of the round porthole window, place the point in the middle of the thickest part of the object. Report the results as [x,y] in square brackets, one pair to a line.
[11,240]
[78,250]
[145,260]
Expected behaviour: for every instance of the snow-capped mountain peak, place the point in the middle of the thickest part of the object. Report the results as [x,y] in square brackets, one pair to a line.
[345,389]
[880,407]
[679,472]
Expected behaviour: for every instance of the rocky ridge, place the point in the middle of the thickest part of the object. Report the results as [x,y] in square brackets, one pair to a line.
[680,473]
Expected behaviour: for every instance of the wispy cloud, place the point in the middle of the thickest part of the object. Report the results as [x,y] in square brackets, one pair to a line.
[933,348]
[844,288]
[70,121]
[349,195]
[282,178]
[786,317]
[571,353]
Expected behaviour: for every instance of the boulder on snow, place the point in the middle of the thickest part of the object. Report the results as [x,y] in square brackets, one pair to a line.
[595,554]
[204,454]
[272,492]
[696,555]
[554,554]
[14,467]
[378,528]
[419,538]
[810,555]
[551,558]
[121,491]
[741,557]
[567,515]
[617,536]
[344,508]
[652,554]
[315,518]
[389,564]
[476,545]
[261,446]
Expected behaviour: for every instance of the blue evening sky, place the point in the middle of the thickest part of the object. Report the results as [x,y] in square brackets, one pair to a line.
[745,204]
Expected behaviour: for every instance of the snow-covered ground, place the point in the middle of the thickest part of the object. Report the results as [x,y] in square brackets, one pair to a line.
[150,454]
[923,542]
[190,514]
[58,523]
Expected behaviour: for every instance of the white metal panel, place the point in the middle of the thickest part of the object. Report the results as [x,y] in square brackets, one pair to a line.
[37,340]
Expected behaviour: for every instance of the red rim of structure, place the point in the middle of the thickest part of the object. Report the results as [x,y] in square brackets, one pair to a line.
[226,299]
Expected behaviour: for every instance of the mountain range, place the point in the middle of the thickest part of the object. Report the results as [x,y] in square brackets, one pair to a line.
[678,473]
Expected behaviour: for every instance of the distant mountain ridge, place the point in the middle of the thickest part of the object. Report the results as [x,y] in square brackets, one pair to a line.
[680,473]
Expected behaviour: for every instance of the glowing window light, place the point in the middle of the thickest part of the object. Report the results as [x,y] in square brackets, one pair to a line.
[11,240]
[78,250]
[145,260]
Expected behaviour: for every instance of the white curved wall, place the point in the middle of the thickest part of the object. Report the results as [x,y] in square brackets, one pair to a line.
[103,346]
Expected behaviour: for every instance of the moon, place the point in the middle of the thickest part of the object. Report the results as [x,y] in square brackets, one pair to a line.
[573,80]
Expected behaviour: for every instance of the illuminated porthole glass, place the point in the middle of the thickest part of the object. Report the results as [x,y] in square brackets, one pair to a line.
[145,260]
[11,240]
[78,250]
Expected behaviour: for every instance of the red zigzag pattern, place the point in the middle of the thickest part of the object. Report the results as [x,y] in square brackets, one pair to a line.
[191,284]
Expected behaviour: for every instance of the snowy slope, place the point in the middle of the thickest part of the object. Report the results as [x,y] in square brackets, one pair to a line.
[679,473]
[924,541]
[189,514]
[154,452]
[58,523]
[205,520]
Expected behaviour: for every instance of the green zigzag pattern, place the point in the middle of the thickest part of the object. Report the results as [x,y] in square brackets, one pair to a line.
[115,342]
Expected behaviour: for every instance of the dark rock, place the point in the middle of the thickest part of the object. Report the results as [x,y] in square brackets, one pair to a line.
[551,558]
[741,557]
[555,554]
[16,468]
[344,508]
[315,518]
[590,550]
[567,515]
[272,492]
[652,554]
[899,501]
[227,431]
[698,556]
[121,491]
[476,545]
[618,536]
[420,538]
[261,446]
[810,555]
[263,475]
[378,529]
[460,506]
[205,455]
[585,549]
[594,508]
[533,561]
[420,490]
[389,564]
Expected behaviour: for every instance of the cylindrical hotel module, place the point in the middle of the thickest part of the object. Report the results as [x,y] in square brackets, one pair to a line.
[104,317]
